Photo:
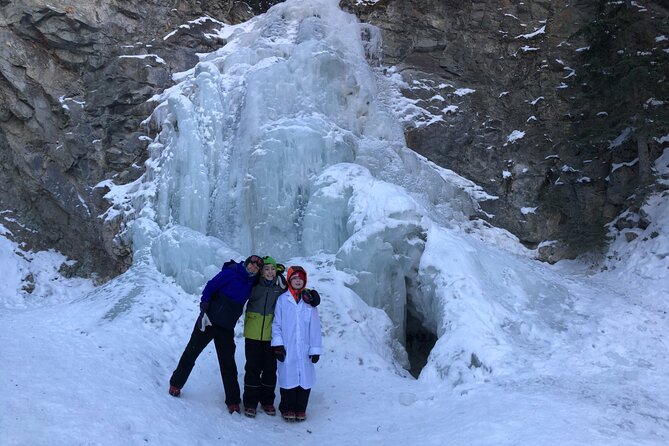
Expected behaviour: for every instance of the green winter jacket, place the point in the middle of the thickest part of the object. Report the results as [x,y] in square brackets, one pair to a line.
[260,308]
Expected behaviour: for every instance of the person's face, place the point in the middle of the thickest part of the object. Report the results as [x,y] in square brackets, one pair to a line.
[296,282]
[253,268]
[269,272]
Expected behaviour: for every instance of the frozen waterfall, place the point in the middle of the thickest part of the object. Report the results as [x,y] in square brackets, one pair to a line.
[282,143]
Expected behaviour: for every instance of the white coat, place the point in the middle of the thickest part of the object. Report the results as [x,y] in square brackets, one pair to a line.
[297,327]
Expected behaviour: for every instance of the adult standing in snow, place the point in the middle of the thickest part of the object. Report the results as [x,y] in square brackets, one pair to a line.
[296,340]
[221,305]
[260,368]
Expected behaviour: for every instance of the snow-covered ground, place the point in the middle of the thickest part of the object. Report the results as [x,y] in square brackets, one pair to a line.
[89,366]
[288,128]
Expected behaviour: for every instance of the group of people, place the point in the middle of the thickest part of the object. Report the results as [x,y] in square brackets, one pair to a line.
[282,333]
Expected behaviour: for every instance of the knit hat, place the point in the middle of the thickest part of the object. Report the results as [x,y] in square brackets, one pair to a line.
[269,261]
[297,270]
[254,259]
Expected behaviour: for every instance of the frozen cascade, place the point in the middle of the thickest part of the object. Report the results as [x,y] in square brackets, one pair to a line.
[280,143]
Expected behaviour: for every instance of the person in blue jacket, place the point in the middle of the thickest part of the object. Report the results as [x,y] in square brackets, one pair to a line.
[221,305]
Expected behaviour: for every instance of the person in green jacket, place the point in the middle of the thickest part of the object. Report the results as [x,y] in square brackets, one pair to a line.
[260,368]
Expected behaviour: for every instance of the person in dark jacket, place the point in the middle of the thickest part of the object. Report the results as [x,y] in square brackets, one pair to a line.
[260,368]
[221,305]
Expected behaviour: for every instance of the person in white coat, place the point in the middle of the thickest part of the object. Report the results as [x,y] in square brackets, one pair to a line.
[296,341]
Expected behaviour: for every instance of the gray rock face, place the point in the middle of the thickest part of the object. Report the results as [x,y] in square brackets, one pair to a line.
[75,78]
[569,77]
[565,103]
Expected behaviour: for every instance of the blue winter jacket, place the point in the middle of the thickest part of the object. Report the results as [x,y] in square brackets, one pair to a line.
[227,292]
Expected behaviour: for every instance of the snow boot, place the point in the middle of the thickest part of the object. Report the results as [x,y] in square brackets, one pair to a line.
[300,416]
[250,412]
[175,391]
[269,409]
[288,415]
[232,408]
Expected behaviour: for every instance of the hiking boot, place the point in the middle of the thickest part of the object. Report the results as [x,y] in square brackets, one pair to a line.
[269,409]
[250,412]
[175,391]
[234,408]
[288,415]
[300,416]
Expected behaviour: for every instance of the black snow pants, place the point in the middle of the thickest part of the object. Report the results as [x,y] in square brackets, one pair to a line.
[224,341]
[260,374]
[294,400]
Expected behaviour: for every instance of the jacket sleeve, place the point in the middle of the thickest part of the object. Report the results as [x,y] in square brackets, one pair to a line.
[215,284]
[315,341]
[277,334]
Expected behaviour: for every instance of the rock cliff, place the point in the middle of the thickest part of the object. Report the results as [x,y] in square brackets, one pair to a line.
[557,108]
[75,77]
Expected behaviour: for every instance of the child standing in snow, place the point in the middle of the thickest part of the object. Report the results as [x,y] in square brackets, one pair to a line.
[260,368]
[296,340]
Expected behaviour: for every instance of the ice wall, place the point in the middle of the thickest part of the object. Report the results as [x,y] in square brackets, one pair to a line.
[281,143]
[252,138]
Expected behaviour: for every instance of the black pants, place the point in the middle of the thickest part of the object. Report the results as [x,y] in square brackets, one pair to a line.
[260,376]
[294,400]
[225,351]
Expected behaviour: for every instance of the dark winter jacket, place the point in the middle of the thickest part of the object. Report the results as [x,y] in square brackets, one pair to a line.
[226,293]
[260,309]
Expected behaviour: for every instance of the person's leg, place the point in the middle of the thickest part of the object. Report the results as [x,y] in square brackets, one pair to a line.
[287,404]
[198,341]
[224,340]
[252,370]
[268,377]
[301,402]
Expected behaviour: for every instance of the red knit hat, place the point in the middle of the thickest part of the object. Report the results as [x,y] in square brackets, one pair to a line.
[297,270]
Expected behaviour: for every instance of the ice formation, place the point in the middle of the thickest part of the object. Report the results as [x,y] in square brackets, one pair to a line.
[282,143]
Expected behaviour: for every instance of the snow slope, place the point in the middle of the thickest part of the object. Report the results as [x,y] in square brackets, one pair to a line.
[89,366]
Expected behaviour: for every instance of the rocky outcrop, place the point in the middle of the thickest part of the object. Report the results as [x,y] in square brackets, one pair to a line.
[555,107]
[75,77]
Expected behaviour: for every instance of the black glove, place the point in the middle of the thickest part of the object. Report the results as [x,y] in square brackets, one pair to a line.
[315,298]
[315,358]
[280,269]
[305,295]
[280,353]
